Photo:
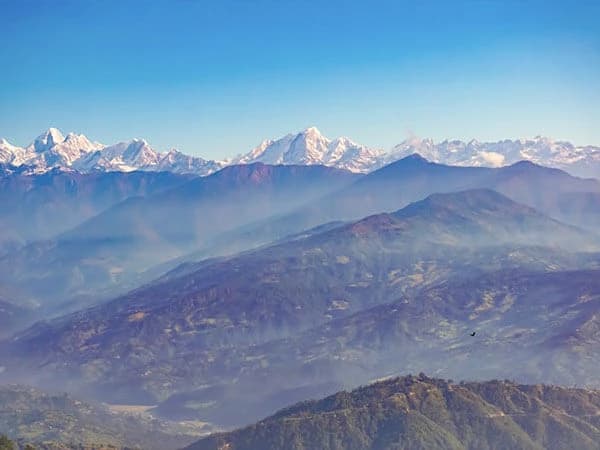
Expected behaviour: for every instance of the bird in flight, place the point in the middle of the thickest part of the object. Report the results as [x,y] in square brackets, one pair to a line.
[473,333]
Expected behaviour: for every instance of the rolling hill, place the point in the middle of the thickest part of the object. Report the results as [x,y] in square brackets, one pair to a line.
[417,412]
[59,421]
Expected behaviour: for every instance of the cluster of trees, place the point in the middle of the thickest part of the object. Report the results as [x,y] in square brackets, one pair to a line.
[7,444]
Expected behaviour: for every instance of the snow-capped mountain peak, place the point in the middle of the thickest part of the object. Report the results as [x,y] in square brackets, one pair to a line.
[308,147]
[47,140]
[11,154]
[123,156]
[137,154]
[311,147]
[581,161]
[52,150]
[81,141]
[311,130]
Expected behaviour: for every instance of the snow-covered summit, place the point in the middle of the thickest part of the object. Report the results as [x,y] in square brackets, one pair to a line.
[311,147]
[11,154]
[52,150]
[137,154]
[46,140]
[582,161]
[49,150]
[123,157]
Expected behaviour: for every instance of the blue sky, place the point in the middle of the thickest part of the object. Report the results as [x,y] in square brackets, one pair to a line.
[214,78]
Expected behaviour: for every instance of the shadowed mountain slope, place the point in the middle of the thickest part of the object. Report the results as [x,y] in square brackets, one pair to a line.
[107,251]
[36,207]
[413,178]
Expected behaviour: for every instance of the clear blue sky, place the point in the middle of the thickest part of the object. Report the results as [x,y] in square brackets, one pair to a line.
[216,77]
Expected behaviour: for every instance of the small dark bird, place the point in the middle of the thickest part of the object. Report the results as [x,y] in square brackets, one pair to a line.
[473,333]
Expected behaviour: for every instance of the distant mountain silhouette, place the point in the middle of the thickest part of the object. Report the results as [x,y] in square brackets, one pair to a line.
[36,207]
[109,250]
